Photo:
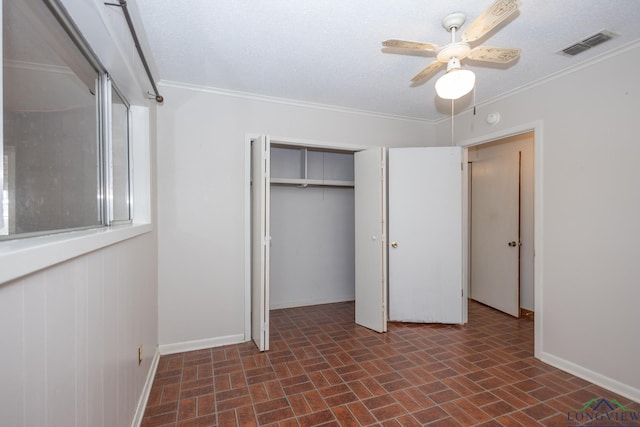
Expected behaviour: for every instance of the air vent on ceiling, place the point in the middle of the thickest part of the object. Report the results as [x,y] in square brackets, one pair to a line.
[588,43]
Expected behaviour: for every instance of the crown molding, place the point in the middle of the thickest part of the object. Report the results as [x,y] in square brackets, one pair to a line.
[286,101]
[558,74]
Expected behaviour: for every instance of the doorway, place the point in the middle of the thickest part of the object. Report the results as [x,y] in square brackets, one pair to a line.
[502,224]
[315,166]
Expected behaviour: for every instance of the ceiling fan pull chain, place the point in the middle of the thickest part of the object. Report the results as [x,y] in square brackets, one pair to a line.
[474,100]
[452,121]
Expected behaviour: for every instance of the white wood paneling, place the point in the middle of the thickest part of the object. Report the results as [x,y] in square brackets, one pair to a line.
[96,343]
[80,273]
[60,339]
[125,344]
[70,335]
[35,352]
[12,367]
[110,335]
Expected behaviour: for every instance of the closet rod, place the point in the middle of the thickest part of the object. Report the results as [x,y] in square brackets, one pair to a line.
[123,4]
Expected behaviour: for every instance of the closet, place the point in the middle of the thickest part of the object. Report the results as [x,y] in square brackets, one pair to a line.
[311,203]
[318,216]
[312,243]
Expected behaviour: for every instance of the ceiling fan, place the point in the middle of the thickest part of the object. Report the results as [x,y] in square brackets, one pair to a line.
[457,81]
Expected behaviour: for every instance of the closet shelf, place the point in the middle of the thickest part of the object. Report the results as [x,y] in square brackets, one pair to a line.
[311,182]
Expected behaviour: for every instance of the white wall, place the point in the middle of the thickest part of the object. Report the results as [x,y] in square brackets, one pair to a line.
[312,250]
[201,178]
[312,246]
[587,286]
[70,335]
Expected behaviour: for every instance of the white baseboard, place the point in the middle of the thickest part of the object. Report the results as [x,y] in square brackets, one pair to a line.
[200,344]
[146,390]
[312,301]
[593,377]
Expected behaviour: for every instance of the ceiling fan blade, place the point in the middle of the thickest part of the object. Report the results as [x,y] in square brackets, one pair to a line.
[427,73]
[489,19]
[501,55]
[403,44]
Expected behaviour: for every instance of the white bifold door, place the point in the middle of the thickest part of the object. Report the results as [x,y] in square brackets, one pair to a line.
[260,237]
[426,233]
[370,235]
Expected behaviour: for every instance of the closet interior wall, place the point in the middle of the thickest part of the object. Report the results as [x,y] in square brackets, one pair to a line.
[312,247]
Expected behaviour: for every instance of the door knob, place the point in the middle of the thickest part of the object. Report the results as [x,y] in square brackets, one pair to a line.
[394,245]
[512,244]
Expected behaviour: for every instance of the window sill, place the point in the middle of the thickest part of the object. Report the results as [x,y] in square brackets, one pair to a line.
[24,256]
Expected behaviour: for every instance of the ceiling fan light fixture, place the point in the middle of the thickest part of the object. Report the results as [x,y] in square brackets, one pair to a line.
[456,82]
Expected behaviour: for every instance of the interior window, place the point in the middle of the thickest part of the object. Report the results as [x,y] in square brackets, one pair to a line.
[61,169]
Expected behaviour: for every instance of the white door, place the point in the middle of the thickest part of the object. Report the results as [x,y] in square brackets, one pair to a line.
[495,244]
[426,235]
[370,245]
[260,237]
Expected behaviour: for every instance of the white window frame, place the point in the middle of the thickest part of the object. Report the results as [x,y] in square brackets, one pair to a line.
[104,143]
[108,188]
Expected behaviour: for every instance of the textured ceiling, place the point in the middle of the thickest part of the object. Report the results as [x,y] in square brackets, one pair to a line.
[329,51]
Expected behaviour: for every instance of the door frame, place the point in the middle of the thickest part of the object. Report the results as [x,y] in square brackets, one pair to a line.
[247,203]
[538,279]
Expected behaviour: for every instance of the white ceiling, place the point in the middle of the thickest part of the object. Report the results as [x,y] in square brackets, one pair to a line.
[329,51]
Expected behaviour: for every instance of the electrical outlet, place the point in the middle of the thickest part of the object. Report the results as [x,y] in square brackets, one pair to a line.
[139,354]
